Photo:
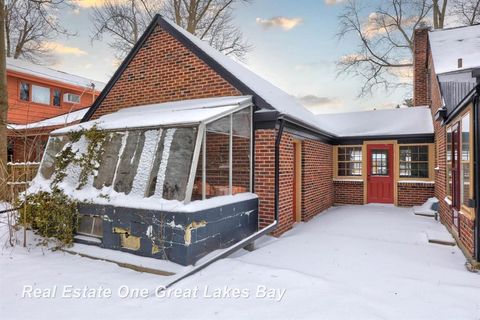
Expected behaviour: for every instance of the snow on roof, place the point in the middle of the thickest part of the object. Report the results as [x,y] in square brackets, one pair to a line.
[51,74]
[449,45]
[63,119]
[277,98]
[386,122]
[162,114]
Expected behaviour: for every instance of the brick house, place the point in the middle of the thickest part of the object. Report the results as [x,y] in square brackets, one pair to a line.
[295,163]
[40,100]
[446,70]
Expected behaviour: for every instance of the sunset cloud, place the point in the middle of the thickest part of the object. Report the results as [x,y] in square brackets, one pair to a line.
[320,104]
[284,23]
[61,49]
[333,2]
[89,3]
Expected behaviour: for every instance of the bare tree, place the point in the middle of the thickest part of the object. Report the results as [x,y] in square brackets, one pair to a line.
[3,105]
[29,24]
[210,20]
[467,11]
[385,41]
[439,13]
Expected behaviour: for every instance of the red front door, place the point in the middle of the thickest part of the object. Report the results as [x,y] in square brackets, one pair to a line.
[380,173]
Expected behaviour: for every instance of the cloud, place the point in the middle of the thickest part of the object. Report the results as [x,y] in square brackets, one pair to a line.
[333,2]
[89,3]
[61,49]
[318,104]
[284,23]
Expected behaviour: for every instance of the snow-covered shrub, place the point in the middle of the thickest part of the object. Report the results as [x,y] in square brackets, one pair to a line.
[51,215]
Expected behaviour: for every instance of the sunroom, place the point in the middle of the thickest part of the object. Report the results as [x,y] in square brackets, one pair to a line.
[170,181]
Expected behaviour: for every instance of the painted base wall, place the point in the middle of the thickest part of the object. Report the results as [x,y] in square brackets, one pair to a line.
[181,237]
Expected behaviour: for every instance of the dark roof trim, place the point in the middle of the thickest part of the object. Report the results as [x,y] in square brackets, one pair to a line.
[159,21]
[406,138]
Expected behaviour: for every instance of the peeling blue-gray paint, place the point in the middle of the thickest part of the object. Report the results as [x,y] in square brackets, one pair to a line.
[217,228]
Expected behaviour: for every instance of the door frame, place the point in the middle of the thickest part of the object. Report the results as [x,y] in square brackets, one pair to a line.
[297,176]
[395,160]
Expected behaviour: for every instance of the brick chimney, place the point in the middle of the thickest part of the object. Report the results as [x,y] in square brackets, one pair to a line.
[420,65]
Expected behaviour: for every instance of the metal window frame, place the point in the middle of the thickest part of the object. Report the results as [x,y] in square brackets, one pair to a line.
[200,144]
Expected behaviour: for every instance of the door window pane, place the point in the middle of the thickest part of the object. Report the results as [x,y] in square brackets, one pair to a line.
[379,162]
[40,94]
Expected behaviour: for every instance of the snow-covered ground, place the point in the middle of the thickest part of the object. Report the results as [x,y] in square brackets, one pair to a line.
[353,262]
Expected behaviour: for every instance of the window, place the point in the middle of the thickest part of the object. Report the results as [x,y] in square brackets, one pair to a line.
[57,97]
[449,162]
[349,161]
[24,91]
[466,161]
[90,226]
[40,94]
[379,162]
[414,161]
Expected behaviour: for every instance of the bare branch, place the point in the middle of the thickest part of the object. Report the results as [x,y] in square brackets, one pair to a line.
[210,20]
[383,58]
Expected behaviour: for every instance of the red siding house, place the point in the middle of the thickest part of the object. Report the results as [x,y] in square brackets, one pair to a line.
[37,97]
[294,164]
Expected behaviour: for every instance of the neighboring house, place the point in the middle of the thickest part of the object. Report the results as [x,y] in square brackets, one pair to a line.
[35,94]
[446,71]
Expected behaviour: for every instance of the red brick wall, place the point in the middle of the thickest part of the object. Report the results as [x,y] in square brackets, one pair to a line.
[164,70]
[317,184]
[265,175]
[467,234]
[348,192]
[428,88]
[317,178]
[412,194]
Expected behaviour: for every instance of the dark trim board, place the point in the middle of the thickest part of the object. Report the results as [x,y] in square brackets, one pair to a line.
[402,139]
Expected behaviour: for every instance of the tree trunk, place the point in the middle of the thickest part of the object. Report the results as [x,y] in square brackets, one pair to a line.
[3,105]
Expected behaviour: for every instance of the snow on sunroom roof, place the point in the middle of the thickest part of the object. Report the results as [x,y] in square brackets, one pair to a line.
[387,122]
[163,114]
[449,45]
[277,98]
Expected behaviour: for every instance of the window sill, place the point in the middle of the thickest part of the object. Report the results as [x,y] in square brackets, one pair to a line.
[417,181]
[347,179]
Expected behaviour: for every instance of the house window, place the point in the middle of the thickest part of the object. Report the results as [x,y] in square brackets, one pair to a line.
[56,97]
[90,226]
[24,91]
[465,181]
[414,161]
[40,94]
[449,162]
[349,161]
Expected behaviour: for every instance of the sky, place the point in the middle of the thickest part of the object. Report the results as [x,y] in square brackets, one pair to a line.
[294,46]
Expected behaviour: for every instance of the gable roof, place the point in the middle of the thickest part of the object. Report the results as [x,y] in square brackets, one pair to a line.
[265,94]
[449,45]
[375,123]
[28,68]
